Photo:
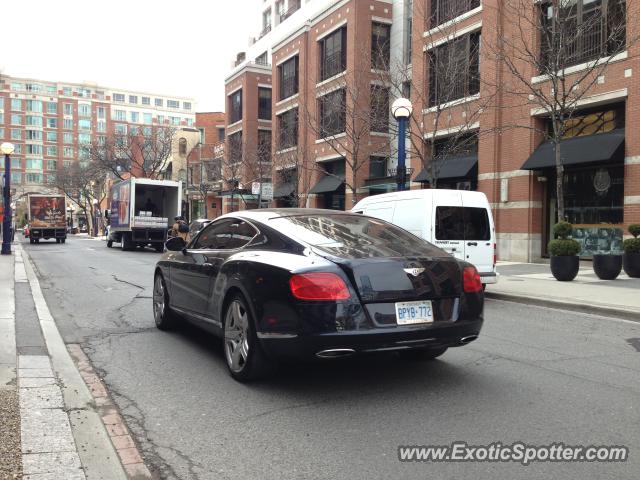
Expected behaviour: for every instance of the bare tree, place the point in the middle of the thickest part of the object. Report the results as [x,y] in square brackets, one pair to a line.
[233,167]
[258,163]
[140,151]
[551,37]
[205,162]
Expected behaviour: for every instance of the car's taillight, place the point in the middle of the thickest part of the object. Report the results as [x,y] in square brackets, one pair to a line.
[471,280]
[318,286]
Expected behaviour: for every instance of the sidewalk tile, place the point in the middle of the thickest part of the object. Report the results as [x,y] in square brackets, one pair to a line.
[34,361]
[46,430]
[79,475]
[37,382]
[60,462]
[41,397]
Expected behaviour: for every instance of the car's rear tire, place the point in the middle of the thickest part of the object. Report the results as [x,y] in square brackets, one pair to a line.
[164,317]
[422,354]
[244,356]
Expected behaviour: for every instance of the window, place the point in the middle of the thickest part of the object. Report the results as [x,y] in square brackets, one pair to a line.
[161,119]
[186,105]
[221,134]
[67,108]
[52,107]
[101,126]
[133,99]
[182,146]
[16,119]
[34,135]
[288,129]
[52,136]
[16,162]
[235,106]
[34,121]
[17,86]
[147,118]
[33,87]
[120,129]
[454,70]
[84,110]
[67,124]
[34,106]
[333,53]
[18,149]
[52,165]
[33,178]
[16,177]
[225,234]
[332,108]
[288,78]
[33,164]
[146,100]
[1,134]
[174,120]
[67,138]
[16,134]
[264,145]
[235,147]
[264,103]
[408,30]
[52,151]
[51,89]
[67,152]
[118,97]
[462,223]
[66,163]
[135,117]
[101,112]
[582,30]
[380,46]
[66,91]
[16,105]
[377,167]
[33,149]
[445,10]
[159,102]
[379,109]
[84,138]
[173,104]
[84,124]
[84,92]
[591,122]
[119,115]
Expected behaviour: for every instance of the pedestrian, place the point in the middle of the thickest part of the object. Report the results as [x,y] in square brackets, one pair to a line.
[180,228]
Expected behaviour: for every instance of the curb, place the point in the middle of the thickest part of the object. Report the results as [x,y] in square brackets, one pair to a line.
[574,307]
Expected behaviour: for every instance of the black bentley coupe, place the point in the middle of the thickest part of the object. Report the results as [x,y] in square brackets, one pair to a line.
[289,282]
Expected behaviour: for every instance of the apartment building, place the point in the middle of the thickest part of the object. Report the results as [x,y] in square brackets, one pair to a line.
[317,83]
[49,122]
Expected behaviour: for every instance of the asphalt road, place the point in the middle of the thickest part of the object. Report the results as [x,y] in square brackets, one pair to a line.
[535,375]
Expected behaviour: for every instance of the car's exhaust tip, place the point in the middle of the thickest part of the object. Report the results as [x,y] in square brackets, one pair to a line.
[468,339]
[336,353]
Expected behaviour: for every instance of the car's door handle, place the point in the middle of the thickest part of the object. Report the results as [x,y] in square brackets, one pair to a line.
[474,244]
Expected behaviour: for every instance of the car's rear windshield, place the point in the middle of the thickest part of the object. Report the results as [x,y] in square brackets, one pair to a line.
[354,236]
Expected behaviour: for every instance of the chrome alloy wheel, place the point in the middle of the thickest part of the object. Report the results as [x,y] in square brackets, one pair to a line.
[158,299]
[236,336]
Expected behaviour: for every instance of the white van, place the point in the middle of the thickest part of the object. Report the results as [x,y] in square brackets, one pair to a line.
[458,221]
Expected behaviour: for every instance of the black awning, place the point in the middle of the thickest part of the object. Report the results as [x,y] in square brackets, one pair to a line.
[327,184]
[577,150]
[284,190]
[452,167]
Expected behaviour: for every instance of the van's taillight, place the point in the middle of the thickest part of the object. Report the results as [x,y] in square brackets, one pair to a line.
[318,286]
[495,254]
[471,280]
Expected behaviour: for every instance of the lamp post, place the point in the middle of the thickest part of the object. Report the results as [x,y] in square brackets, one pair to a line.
[7,149]
[95,217]
[401,111]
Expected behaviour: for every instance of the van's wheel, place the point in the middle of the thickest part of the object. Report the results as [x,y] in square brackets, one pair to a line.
[109,243]
[159,248]
[37,240]
[125,242]
[421,354]
[32,241]
[245,359]
[164,317]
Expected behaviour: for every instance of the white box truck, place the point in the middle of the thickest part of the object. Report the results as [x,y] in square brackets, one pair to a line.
[47,218]
[141,212]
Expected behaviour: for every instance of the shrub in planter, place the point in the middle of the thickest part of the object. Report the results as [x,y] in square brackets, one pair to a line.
[631,256]
[564,253]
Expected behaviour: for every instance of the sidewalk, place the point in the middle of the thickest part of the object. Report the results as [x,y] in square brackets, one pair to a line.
[60,423]
[533,283]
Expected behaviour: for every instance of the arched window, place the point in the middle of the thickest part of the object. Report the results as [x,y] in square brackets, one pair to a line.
[182,146]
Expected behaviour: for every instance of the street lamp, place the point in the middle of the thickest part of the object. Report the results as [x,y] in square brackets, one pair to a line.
[401,111]
[7,149]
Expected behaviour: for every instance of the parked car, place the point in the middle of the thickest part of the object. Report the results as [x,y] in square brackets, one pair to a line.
[316,283]
[458,221]
[197,225]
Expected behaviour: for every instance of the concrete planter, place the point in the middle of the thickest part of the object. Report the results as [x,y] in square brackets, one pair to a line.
[607,267]
[565,268]
[631,264]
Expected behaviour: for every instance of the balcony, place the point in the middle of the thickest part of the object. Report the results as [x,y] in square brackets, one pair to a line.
[293,7]
[265,30]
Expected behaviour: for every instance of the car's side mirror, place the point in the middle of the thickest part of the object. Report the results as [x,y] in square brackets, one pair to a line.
[175,244]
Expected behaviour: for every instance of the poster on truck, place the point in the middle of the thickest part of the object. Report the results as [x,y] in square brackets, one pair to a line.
[47,212]
[120,204]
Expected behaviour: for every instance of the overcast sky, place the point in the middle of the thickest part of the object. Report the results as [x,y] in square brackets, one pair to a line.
[166,47]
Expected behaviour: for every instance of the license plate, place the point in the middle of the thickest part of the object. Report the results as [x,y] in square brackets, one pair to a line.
[408,313]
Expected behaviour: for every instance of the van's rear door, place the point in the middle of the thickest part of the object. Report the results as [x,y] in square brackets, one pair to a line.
[477,234]
[449,222]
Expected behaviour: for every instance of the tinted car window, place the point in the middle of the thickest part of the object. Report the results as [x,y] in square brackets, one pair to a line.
[354,236]
[215,236]
[242,233]
[462,223]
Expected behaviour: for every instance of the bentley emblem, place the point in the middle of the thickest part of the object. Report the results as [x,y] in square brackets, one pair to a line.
[414,271]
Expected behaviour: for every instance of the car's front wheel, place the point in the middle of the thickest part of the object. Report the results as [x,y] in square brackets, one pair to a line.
[245,359]
[421,354]
[163,315]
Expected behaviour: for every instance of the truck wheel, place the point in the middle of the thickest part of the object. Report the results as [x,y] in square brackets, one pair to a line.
[57,240]
[125,242]
[63,240]
[109,243]
[159,248]
[32,241]
[37,240]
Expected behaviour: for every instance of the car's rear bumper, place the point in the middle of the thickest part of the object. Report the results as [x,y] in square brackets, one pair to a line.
[439,334]
[489,277]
